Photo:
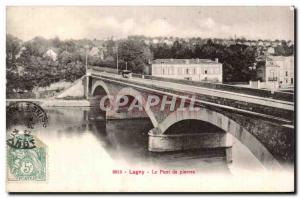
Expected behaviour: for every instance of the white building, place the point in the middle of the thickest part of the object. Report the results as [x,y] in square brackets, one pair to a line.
[278,72]
[270,50]
[189,69]
[51,54]
[96,52]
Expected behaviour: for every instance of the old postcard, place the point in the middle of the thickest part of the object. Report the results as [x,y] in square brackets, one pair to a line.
[150,99]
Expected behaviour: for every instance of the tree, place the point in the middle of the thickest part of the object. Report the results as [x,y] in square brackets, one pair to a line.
[135,53]
[237,63]
[55,42]
[65,57]
[180,49]
[13,46]
[37,46]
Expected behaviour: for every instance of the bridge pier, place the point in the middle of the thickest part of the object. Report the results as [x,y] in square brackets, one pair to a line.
[183,142]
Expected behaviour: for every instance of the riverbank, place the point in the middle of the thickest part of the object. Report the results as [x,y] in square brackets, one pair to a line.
[55,102]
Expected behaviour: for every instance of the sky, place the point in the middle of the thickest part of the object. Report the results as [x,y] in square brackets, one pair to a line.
[119,22]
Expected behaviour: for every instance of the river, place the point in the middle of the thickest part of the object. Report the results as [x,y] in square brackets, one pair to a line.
[84,153]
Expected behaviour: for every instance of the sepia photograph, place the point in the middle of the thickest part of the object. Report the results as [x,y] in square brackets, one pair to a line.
[150,99]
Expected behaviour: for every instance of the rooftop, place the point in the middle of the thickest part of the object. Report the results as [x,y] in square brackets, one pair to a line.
[278,58]
[184,61]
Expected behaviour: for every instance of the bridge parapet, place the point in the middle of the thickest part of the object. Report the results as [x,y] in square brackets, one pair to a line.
[284,116]
[243,90]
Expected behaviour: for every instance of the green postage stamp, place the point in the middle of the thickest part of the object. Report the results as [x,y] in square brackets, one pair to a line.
[26,154]
[25,161]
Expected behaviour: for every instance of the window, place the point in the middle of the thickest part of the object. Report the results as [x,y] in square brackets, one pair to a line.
[195,71]
[292,81]
[272,76]
[179,71]
[205,71]
[187,71]
[286,73]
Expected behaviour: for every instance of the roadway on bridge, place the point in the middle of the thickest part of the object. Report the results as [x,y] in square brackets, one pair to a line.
[207,91]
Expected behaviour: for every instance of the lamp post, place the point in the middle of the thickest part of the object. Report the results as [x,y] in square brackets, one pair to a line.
[86,71]
[117,52]
[274,87]
[272,72]
[253,76]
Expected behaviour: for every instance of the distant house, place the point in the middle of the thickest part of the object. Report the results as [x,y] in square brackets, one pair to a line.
[247,43]
[260,43]
[155,41]
[51,54]
[271,50]
[274,44]
[96,52]
[267,43]
[147,42]
[168,42]
[290,43]
[253,43]
[189,69]
[230,42]
[278,72]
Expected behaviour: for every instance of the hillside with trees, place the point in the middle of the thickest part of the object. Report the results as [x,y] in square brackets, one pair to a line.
[40,62]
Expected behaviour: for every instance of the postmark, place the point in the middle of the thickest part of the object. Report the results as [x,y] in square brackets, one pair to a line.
[27,114]
[26,153]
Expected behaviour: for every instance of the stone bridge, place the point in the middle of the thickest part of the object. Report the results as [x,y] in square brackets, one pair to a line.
[263,122]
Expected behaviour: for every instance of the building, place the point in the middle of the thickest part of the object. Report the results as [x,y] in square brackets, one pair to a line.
[278,72]
[271,50]
[96,52]
[189,69]
[51,54]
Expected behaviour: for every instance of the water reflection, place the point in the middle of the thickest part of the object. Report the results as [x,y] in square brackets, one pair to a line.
[125,141]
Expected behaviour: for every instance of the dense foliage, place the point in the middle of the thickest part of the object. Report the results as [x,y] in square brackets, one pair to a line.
[28,67]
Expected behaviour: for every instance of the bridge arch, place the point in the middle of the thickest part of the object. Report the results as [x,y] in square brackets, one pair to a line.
[136,94]
[98,91]
[99,86]
[226,124]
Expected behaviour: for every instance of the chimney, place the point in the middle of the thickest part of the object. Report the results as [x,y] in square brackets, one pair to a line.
[216,60]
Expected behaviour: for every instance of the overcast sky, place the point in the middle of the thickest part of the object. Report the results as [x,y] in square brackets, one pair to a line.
[119,22]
